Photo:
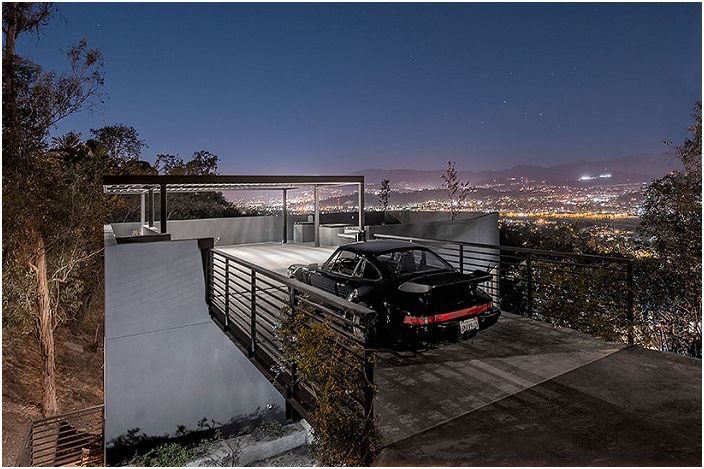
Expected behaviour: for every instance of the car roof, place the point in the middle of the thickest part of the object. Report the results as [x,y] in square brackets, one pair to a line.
[379,246]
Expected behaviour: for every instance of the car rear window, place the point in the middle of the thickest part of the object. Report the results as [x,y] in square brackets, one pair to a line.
[413,261]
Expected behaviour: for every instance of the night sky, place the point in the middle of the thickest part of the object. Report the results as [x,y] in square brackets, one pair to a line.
[335,88]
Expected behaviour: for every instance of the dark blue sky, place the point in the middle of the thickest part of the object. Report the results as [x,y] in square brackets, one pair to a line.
[336,88]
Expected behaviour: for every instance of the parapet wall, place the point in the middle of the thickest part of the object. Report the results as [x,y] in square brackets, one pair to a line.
[225,231]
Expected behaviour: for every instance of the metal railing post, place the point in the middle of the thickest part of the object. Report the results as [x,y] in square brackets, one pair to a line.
[529,293]
[461,258]
[368,375]
[227,293]
[291,388]
[209,282]
[253,331]
[630,299]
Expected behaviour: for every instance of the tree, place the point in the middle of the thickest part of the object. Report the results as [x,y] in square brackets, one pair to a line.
[168,164]
[202,163]
[195,205]
[121,142]
[384,195]
[457,191]
[672,219]
[47,233]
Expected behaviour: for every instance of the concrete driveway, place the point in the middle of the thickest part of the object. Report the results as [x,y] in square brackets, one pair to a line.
[523,393]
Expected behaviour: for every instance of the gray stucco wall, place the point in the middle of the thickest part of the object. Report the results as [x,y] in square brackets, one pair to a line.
[225,231]
[477,228]
[473,228]
[166,363]
[241,230]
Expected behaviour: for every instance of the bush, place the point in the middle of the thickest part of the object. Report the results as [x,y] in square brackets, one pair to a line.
[166,455]
[329,363]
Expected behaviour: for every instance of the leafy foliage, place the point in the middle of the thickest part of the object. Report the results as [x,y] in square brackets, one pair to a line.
[166,455]
[330,363]
[49,220]
[119,142]
[672,219]
[589,296]
[196,205]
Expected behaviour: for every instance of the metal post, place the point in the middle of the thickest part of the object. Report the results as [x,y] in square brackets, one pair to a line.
[530,285]
[284,239]
[209,280]
[461,258]
[163,212]
[209,283]
[253,331]
[360,202]
[630,313]
[227,292]
[150,207]
[368,373]
[291,413]
[142,213]
[317,216]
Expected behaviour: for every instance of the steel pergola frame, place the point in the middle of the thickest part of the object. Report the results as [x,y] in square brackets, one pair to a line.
[146,185]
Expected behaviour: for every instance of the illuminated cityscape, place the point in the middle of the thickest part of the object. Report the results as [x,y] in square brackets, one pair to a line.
[512,199]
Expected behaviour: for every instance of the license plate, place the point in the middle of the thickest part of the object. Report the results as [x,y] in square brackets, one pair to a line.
[468,325]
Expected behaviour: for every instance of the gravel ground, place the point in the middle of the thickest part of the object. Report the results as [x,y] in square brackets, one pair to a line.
[298,457]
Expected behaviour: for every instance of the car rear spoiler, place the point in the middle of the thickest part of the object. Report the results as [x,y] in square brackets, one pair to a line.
[475,278]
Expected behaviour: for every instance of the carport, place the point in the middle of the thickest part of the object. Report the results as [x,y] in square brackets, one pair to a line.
[146,185]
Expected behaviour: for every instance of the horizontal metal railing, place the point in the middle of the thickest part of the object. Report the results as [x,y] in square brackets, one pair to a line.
[591,293]
[247,302]
[69,439]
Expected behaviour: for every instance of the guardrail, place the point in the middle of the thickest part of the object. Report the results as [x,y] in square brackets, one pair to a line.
[590,293]
[247,302]
[70,439]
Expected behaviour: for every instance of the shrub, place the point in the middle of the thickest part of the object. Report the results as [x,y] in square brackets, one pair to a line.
[331,364]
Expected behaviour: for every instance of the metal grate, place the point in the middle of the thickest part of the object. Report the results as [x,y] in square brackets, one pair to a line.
[70,439]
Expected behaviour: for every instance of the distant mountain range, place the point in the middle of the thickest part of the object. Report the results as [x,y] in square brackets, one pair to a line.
[633,169]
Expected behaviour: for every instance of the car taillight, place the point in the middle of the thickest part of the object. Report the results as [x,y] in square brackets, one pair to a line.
[444,317]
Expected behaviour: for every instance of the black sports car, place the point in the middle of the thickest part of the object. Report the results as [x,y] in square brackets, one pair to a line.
[412,289]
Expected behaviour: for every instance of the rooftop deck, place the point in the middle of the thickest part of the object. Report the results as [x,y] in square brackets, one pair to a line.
[277,257]
[525,393]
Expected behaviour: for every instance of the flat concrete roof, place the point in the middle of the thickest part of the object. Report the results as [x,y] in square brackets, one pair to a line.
[138,184]
[277,257]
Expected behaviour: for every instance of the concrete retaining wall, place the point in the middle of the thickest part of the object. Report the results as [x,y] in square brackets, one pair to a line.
[166,363]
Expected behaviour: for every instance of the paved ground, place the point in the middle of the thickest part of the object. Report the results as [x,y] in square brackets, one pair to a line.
[631,408]
[277,256]
[421,390]
[299,457]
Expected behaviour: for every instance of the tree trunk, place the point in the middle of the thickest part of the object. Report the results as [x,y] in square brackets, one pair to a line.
[46,330]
